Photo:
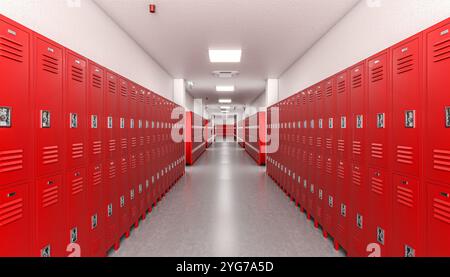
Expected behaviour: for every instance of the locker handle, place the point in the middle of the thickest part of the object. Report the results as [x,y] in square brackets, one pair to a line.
[404,182]
[11,194]
[77,174]
[377,174]
[50,182]
[445,194]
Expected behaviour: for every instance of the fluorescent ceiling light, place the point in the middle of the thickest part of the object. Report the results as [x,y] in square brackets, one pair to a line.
[225,107]
[224,88]
[225,101]
[225,56]
[225,111]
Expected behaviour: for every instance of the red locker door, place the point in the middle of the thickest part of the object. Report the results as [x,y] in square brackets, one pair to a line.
[124,117]
[132,113]
[379,218]
[318,174]
[358,211]
[48,89]
[438,220]
[75,110]
[111,205]
[95,111]
[407,107]
[358,108]
[15,221]
[148,146]
[15,116]
[124,197]
[50,213]
[342,162]
[407,228]
[96,215]
[110,134]
[378,121]
[76,216]
[437,146]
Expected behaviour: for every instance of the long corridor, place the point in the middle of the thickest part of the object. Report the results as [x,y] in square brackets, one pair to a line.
[225,205]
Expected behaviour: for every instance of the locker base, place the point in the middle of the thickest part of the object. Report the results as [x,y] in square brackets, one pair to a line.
[316,224]
[336,246]
[127,234]
[136,224]
[325,234]
[116,246]
[308,215]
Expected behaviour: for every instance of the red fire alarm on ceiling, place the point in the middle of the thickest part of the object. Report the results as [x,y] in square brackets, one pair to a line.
[152,8]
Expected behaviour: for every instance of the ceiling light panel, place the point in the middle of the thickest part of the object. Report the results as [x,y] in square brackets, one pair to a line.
[225,107]
[225,101]
[224,88]
[225,56]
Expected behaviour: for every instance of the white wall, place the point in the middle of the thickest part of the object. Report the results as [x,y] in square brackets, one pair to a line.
[373,25]
[90,32]
[272,93]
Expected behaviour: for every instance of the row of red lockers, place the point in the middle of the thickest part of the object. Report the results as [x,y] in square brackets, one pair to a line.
[253,129]
[367,152]
[225,130]
[199,137]
[85,153]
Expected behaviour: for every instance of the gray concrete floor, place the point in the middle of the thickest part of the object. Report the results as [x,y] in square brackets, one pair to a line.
[226,206]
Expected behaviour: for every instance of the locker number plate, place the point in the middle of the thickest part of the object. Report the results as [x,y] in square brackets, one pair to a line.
[45,119]
[5,117]
[410,119]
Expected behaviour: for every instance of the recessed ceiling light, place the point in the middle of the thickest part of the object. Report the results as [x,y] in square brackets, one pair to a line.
[225,111]
[225,107]
[224,88]
[225,101]
[225,56]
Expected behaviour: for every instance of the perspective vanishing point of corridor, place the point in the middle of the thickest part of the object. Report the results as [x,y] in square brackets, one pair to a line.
[226,206]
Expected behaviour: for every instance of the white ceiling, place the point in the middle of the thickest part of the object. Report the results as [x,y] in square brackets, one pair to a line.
[271,33]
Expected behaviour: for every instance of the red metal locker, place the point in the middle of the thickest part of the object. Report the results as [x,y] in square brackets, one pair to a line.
[50,212]
[76,231]
[311,168]
[342,162]
[148,153]
[124,197]
[15,220]
[407,108]
[75,110]
[438,220]
[437,146]
[330,212]
[407,229]
[141,197]
[358,116]
[48,93]
[95,207]
[319,153]
[378,122]
[15,117]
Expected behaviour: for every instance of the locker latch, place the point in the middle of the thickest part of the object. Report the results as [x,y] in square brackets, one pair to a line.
[359,221]
[343,210]
[94,221]
[330,201]
[74,235]
[110,210]
[380,235]
[46,252]
[409,251]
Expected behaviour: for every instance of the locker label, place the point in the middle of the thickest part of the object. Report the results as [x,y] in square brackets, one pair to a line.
[46,252]
[73,120]
[110,122]
[380,121]
[122,201]
[343,122]
[359,121]
[94,121]
[94,221]
[343,210]
[45,119]
[409,252]
[410,119]
[330,123]
[12,32]
[110,210]
[380,235]
[5,117]
[447,117]
[74,235]
[122,123]
[359,221]
[444,32]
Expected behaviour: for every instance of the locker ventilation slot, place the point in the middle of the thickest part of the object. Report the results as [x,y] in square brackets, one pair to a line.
[319,94]
[77,74]
[133,95]
[112,172]
[124,91]
[441,160]
[377,150]
[11,211]
[357,147]
[341,145]
[50,155]
[441,50]
[96,147]
[77,185]
[11,50]
[124,143]
[329,91]
[377,186]
[50,64]
[405,64]
[50,196]
[405,154]
[319,162]
[11,160]
[141,159]
[97,81]
[405,196]
[77,150]
[341,171]
[319,142]
[141,141]
[356,178]
[441,210]
[112,87]
[329,166]
[341,86]
[357,81]
[133,142]
[328,143]
[97,178]
[124,167]
[377,74]
[112,145]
